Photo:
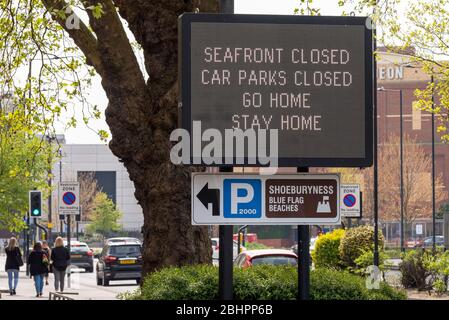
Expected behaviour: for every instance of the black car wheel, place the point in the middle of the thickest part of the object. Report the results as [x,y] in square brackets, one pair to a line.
[138,280]
[89,270]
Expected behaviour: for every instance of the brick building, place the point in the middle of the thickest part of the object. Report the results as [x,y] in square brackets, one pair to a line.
[395,72]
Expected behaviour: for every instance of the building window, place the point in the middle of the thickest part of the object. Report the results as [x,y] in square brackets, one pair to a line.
[416,116]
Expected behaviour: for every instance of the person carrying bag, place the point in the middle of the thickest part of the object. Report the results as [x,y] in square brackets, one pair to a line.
[38,263]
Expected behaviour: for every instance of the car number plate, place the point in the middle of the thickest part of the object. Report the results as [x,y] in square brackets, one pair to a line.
[127,261]
[75,256]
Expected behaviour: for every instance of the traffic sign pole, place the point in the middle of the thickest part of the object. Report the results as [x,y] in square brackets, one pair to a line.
[69,235]
[27,246]
[226,244]
[225,255]
[303,257]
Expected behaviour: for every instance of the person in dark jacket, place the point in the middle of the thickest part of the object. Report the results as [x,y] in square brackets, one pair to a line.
[38,263]
[13,263]
[60,259]
[47,250]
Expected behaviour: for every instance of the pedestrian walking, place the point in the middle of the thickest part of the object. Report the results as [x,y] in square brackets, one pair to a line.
[38,263]
[60,259]
[47,250]
[13,263]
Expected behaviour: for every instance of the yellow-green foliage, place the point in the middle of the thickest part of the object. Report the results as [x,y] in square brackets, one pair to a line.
[326,252]
[356,242]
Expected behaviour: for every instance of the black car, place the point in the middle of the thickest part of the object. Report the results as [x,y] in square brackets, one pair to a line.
[120,261]
[81,256]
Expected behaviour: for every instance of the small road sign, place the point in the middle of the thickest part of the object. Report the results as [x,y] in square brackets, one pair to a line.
[350,200]
[265,199]
[69,197]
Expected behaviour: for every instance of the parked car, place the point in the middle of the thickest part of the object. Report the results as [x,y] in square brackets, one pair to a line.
[428,242]
[276,257]
[216,246]
[413,243]
[122,239]
[120,261]
[81,255]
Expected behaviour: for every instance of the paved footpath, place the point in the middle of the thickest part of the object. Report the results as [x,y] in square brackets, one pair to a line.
[82,283]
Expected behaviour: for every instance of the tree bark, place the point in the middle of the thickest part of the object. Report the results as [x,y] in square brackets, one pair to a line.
[142,114]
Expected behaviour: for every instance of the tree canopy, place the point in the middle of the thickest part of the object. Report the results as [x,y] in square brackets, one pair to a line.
[104,216]
[24,163]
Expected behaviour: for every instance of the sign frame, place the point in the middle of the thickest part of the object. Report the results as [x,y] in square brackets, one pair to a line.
[72,211]
[195,193]
[184,66]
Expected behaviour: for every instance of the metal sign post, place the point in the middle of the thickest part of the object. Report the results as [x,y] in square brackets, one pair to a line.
[226,243]
[303,257]
[225,251]
[27,245]
[69,236]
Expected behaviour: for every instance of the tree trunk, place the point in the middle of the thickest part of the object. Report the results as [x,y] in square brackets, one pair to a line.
[143,144]
[142,114]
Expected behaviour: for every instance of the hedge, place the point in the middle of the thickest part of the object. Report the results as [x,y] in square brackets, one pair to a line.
[326,253]
[356,242]
[257,283]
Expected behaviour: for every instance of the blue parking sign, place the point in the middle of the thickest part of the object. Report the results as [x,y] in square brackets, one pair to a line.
[242,198]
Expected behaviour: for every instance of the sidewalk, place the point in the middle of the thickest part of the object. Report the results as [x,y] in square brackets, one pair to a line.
[25,288]
[82,283]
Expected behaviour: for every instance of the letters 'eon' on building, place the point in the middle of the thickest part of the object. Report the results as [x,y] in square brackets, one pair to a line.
[311,78]
[265,199]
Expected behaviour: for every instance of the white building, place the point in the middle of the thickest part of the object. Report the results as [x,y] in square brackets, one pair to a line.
[110,174]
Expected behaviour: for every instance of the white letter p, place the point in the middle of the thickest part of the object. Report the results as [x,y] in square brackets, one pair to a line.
[235,199]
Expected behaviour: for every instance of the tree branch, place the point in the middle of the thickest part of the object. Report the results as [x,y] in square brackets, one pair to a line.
[114,46]
[82,37]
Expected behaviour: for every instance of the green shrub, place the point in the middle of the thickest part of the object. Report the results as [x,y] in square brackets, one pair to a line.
[439,286]
[326,254]
[356,242]
[329,284]
[386,292]
[366,259]
[333,285]
[392,253]
[437,262]
[414,274]
[256,283]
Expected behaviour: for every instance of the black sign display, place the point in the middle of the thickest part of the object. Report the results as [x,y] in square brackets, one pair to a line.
[311,78]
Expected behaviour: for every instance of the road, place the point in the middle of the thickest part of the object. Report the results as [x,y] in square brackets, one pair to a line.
[82,283]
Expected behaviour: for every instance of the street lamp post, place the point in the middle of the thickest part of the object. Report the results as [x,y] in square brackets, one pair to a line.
[50,237]
[433,170]
[60,179]
[401,157]
[402,168]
